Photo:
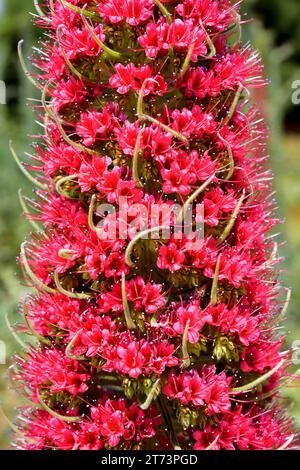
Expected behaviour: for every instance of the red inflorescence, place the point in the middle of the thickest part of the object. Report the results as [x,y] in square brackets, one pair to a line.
[151,342]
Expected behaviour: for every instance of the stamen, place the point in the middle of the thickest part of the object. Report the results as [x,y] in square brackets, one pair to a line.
[14,428]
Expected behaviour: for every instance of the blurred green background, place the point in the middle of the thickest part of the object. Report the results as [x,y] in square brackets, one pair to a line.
[275,31]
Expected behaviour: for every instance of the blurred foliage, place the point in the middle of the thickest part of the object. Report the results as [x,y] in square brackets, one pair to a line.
[275,32]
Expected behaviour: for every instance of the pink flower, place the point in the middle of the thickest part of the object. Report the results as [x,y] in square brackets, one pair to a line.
[170,258]
[133,12]
[129,77]
[93,125]
[192,315]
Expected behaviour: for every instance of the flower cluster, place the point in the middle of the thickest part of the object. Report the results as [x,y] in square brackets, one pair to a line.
[148,121]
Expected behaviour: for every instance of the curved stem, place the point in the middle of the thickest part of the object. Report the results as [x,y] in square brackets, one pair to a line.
[193,197]
[153,392]
[67,60]
[38,8]
[185,354]
[138,236]
[70,346]
[130,323]
[135,172]
[80,147]
[91,214]
[26,212]
[169,424]
[187,59]
[68,419]
[164,11]
[233,105]
[232,219]
[256,382]
[212,444]
[24,68]
[71,294]
[211,45]
[230,155]
[108,50]
[77,9]
[63,180]
[39,337]
[214,288]
[287,443]
[31,274]
[31,178]
[14,334]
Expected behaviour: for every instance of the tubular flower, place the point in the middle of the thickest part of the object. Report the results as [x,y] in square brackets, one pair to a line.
[157,303]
